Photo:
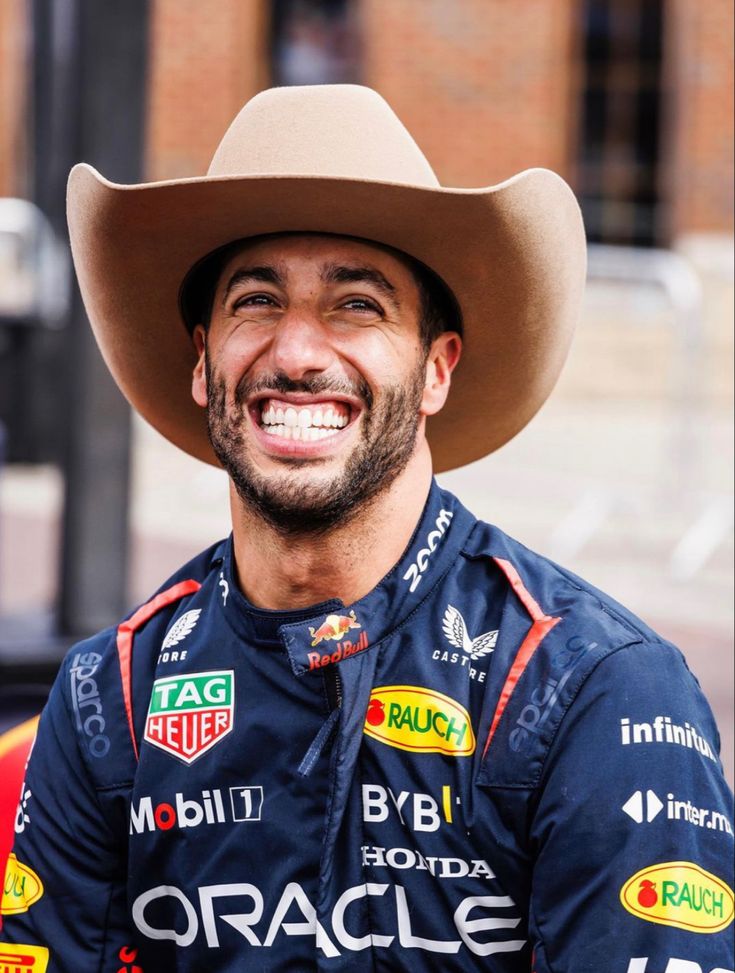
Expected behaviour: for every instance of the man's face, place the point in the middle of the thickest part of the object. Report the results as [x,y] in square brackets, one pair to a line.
[313,375]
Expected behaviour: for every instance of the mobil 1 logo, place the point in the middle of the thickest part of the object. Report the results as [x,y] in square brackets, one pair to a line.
[212,806]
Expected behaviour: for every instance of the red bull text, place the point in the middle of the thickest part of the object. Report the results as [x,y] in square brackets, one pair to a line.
[344,649]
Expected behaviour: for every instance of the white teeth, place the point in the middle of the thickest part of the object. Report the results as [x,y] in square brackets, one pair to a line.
[302,423]
[310,434]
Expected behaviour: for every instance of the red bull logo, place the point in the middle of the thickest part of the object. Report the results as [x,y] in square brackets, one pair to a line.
[344,649]
[333,628]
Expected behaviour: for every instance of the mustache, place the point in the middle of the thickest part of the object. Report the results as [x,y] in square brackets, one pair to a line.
[318,385]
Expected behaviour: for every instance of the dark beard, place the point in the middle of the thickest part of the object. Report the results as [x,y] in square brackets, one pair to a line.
[387,442]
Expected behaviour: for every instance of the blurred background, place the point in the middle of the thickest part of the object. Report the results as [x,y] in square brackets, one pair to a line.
[626,474]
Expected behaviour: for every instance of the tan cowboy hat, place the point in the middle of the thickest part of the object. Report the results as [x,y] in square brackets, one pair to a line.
[336,159]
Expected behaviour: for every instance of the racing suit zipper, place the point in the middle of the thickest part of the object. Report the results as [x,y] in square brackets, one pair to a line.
[333,685]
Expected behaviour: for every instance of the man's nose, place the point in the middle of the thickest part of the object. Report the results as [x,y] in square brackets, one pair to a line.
[301,344]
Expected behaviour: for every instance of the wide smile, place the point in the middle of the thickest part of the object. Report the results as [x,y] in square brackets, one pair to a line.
[302,426]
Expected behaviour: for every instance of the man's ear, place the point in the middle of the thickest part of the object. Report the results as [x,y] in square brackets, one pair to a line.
[199,376]
[441,361]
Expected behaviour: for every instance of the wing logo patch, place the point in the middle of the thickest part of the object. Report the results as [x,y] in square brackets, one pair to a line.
[181,628]
[455,631]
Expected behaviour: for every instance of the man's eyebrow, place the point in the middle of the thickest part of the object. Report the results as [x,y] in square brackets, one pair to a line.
[245,275]
[338,274]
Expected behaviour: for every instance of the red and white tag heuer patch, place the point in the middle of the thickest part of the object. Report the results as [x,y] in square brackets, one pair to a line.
[190,713]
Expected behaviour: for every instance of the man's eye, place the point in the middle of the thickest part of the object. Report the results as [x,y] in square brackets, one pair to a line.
[362,304]
[254,300]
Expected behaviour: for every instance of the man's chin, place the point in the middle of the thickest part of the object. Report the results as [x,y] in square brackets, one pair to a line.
[298,502]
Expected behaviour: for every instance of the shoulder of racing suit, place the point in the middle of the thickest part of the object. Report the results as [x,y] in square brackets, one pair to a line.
[557,634]
[105,686]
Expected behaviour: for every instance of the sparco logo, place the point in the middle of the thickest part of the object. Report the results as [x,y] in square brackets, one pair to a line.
[416,571]
[245,804]
[477,919]
[544,697]
[189,714]
[85,697]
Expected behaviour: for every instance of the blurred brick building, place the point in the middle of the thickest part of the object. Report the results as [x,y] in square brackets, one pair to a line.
[631,100]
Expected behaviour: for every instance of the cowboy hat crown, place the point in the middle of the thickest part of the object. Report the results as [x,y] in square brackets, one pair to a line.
[341,131]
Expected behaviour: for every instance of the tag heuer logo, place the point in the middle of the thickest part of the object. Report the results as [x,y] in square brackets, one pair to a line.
[188,714]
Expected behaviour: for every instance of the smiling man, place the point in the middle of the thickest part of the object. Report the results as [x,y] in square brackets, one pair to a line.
[366,731]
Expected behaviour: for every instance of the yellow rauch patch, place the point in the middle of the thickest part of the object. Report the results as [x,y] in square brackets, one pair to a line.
[420,720]
[21,888]
[23,959]
[679,894]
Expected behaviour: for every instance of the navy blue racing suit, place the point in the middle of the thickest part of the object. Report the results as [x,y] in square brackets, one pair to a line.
[483,764]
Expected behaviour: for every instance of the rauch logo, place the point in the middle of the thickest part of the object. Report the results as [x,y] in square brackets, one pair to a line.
[679,894]
[420,720]
[22,887]
[189,714]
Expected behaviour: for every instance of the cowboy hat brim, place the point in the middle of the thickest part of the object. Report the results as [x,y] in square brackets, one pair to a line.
[512,254]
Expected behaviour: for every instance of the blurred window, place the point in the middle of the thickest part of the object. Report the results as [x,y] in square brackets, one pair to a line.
[620,121]
[314,42]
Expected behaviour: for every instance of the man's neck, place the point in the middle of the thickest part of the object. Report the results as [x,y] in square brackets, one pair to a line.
[278,571]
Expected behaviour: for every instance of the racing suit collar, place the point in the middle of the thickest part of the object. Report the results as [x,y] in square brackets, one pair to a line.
[334,632]
[440,534]
[258,626]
